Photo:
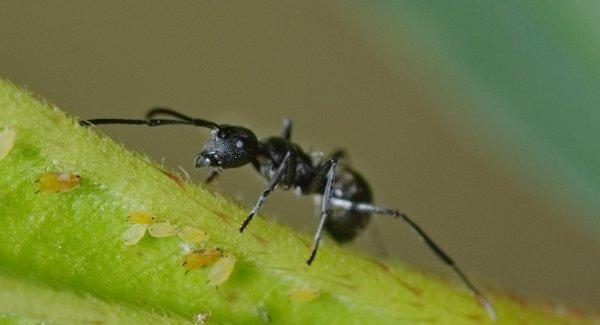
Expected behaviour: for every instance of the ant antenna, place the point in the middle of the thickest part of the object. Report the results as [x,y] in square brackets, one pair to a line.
[169,112]
[182,119]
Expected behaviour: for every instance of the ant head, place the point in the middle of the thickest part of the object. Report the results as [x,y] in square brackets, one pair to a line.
[229,147]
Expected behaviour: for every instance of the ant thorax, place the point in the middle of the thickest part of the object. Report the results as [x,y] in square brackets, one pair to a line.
[299,171]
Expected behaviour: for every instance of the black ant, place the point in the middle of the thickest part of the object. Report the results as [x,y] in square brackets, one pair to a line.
[346,198]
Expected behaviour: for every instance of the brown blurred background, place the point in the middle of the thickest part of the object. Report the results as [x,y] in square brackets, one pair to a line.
[253,64]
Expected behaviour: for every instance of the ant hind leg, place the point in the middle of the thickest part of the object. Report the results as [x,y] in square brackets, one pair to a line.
[375,209]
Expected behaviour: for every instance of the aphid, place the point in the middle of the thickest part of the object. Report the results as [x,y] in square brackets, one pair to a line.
[143,218]
[162,229]
[303,294]
[193,236]
[7,140]
[143,221]
[221,270]
[134,234]
[345,198]
[58,182]
[200,258]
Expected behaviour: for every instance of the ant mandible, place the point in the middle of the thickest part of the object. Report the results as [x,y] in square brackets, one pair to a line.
[346,198]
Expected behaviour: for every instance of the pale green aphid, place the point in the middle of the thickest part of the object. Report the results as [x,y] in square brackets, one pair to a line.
[221,270]
[143,221]
[162,229]
[134,234]
[193,236]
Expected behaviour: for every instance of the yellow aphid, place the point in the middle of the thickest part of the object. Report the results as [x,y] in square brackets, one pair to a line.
[221,270]
[134,234]
[303,294]
[161,229]
[143,218]
[7,140]
[193,235]
[200,258]
[58,182]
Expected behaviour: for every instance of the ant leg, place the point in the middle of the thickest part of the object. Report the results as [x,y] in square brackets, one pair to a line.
[329,167]
[370,208]
[212,175]
[287,129]
[272,184]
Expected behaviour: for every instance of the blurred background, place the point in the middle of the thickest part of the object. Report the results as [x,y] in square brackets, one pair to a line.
[480,120]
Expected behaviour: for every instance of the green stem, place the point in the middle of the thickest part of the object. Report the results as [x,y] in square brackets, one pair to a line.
[62,256]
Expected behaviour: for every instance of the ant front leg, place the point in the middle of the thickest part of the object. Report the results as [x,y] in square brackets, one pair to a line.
[272,184]
[327,169]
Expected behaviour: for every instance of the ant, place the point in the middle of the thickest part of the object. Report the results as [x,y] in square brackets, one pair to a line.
[345,196]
